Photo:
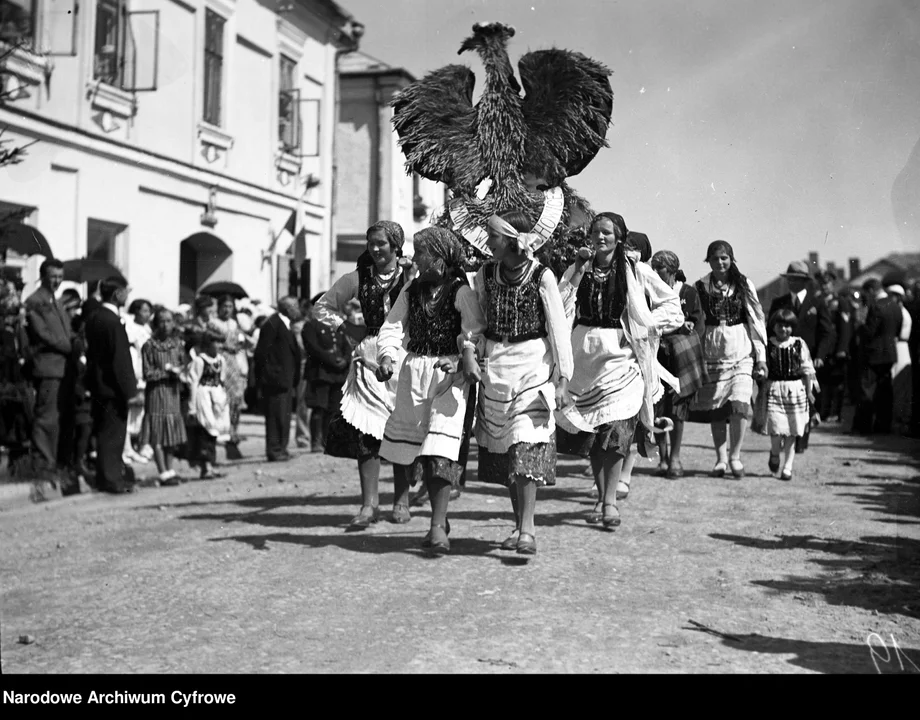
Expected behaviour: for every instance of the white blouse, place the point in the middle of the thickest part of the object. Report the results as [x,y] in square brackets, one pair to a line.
[393,334]
[558,329]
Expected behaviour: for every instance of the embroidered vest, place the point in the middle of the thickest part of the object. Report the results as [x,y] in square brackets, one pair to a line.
[785,363]
[592,303]
[376,299]
[515,311]
[730,309]
[434,334]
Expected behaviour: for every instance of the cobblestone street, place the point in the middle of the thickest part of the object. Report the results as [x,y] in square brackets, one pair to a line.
[255,573]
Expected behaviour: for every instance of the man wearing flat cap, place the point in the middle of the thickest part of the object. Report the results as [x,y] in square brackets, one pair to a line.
[815,325]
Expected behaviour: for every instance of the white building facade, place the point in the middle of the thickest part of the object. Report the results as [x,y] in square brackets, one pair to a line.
[372,180]
[177,138]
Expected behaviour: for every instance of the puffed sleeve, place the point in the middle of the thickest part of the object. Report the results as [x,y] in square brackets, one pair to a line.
[330,308]
[664,302]
[756,325]
[568,290]
[392,333]
[472,319]
[558,328]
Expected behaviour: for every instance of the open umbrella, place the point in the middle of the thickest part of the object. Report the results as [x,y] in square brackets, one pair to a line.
[24,239]
[89,270]
[224,288]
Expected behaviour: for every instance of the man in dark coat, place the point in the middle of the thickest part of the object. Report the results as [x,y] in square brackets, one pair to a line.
[878,354]
[815,325]
[111,381]
[277,372]
[50,340]
[833,376]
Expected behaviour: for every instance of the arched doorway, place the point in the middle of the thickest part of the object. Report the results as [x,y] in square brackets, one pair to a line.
[203,258]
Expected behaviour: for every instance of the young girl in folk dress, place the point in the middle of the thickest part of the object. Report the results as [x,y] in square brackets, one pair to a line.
[208,403]
[441,317]
[357,430]
[782,406]
[734,337]
[681,354]
[620,308]
[163,428]
[526,353]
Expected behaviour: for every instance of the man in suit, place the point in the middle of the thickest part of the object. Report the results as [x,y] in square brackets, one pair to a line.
[49,332]
[833,376]
[815,325]
[111,381]
[879,352]
[277,372]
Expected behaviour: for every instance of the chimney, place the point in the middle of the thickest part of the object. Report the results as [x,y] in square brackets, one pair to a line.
[854,268]
[832,267]
[813,261]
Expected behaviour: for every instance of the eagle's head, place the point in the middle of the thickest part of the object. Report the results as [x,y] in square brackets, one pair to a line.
[483,33]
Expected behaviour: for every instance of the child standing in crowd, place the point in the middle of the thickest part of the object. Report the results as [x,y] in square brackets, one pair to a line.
[441,317]
[76,409]
[526,366]
[615,344]
[163,428]
[17,398]
[782,406]
[325,370]
[209,405]
[356,432]
[137,327]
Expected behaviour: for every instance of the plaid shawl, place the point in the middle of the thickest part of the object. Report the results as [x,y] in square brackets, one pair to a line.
[682,355]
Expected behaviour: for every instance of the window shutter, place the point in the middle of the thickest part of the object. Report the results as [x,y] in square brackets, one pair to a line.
[142,50]
[59,29]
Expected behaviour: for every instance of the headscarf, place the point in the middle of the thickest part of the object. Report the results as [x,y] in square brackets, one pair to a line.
[528,243]
[717,245]
[666,259]
[394,235]
[443,245]
[640,242]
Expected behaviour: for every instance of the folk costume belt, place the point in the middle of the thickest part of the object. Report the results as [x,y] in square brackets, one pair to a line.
[523,337]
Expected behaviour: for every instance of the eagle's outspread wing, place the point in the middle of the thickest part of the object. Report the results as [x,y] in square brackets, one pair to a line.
[437,127]
[567,107]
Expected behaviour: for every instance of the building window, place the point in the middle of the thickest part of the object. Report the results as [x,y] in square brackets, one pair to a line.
[288,107]
[108,61]
[17,22]
[213,65]
[106,241]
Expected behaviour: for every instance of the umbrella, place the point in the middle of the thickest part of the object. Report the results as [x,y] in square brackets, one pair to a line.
[224,288]
[25,240]
[89,270]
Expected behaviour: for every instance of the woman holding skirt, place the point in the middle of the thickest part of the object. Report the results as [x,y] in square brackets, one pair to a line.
[620,308]
[527,363]
[440,316]
[357,429]
[734,340]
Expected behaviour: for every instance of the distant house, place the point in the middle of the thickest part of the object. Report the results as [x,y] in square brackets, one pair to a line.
[908,263]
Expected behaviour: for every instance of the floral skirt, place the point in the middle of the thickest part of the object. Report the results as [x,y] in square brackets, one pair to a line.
[536,461]
[616,436]
[431,466]
[344,440]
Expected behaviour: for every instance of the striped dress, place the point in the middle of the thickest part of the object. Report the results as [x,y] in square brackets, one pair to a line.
[782,406]
[163,423]
[426,429]
[734,337]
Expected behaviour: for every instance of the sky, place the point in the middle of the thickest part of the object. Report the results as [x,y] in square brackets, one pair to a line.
[785,127]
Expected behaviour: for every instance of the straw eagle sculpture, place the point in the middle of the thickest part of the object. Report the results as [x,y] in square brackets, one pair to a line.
[508,150]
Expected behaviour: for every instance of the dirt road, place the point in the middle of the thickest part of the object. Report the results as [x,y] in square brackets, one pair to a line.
[255,573]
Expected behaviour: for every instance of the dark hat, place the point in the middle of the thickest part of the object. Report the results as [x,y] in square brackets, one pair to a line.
[894,277]
[797,269]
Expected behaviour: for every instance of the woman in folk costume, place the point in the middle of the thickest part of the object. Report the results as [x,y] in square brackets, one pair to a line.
[620,308]
[735,337]
[440,317]
[681,354]
[357,430]
[526,353]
